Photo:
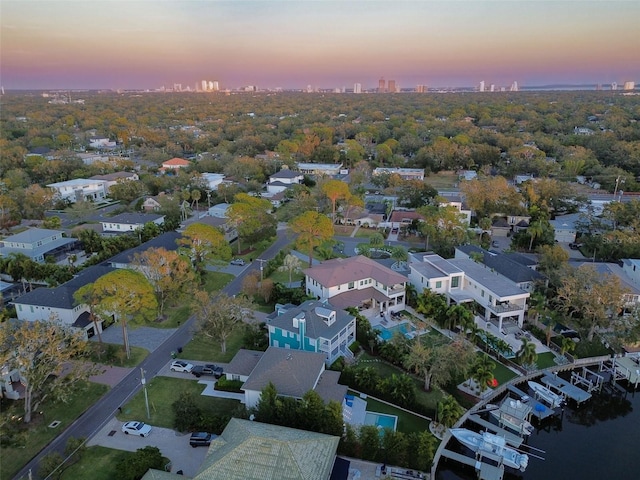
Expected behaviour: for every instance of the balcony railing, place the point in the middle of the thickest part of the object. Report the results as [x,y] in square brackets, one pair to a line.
[506,307]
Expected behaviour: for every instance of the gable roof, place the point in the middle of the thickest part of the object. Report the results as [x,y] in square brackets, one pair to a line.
[315,326]
[177,162]
[344,270]
[32,235]
[403,215]
[244,362]
[133,218]
[286,173]
[167,240]
[249,450]
[62,296]
[293,372]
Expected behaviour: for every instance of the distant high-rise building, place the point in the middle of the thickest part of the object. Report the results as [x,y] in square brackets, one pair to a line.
[392,86]
[177,87]
[204,85]
[481,86]
[629,86]
[514,87]
[381,85]
[614,86]
[357,88]
[215,86]
[492,87]
[421,88]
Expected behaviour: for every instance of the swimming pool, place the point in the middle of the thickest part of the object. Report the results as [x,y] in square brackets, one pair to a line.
[381,420]
[387,333]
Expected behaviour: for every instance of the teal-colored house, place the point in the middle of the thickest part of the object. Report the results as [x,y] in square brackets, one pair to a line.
[314,326]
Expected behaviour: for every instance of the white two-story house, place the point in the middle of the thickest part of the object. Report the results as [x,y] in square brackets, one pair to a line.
[357,282]
[313,326]
[80,189]
[37,243]
[58,305]
[130,222]
[463,280]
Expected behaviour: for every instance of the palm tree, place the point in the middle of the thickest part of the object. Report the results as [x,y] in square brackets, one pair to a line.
[399,254]
[535,230]
[367,378]
[567,345]
[376,240]
[449,411]
[482,370]
[527,354]
[291,264]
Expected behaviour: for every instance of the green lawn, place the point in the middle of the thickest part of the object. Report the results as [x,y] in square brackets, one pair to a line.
[501,372]
[442,180]
[368,232]
[118,358]
[428,399]
[215,281]
[546,360]
[30,439]
[283,277]
[407,423]
[96,463]
[162,392]
[205,349]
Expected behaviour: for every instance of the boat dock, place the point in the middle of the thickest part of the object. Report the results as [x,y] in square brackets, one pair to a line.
[565,388]
[540,411]
[485,471]
[629,366]
[511,438]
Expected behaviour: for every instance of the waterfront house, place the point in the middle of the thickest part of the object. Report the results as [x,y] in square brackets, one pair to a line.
[497,298]
[313,326]
[357,282]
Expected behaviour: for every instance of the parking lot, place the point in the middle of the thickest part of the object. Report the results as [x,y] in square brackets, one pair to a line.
[175,446]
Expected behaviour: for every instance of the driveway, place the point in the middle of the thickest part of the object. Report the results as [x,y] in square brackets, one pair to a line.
[148,338]
[175,446]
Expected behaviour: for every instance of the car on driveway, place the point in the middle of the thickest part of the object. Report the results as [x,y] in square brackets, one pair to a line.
[238,261]
[208,369]
[136,428]
[181,366]
[200,439]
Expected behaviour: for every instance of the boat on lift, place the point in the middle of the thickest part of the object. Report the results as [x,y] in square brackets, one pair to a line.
[552,399]
[513,414]
[492,446]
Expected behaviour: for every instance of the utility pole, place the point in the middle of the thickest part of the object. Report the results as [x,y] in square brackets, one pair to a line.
[619,180]
[146,397]
[262,262]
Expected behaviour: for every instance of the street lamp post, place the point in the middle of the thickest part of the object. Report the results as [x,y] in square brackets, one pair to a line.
[619,180]
[146,396]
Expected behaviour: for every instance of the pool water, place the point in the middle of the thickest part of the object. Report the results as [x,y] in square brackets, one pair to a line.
[381,420]
[387,333]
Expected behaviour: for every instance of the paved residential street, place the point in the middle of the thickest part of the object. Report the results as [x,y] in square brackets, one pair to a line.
[102,412]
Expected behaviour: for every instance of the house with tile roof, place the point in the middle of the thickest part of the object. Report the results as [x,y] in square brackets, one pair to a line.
[175,164]
[293,373]
[38,243]
[57,304]
[462,280]
[357,282]
[130,222]
[250,450]
[313,326]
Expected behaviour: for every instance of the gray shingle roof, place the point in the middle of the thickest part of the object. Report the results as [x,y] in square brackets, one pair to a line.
[32,235]
[62,296]
[244,362]
[315,326]
[166,240]
[293,372]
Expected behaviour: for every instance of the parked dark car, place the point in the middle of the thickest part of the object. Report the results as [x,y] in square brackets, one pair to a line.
[208,369]
[200,439]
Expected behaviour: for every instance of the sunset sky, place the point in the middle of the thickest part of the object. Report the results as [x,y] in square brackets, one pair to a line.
[147,44]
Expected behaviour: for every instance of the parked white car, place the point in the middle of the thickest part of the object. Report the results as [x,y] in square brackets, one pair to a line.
[181,366]
[136,428]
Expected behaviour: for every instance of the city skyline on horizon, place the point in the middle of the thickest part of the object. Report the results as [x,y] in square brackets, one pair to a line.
[146,45]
